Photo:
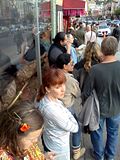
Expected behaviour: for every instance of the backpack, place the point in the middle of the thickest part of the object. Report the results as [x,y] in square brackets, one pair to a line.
[80,75]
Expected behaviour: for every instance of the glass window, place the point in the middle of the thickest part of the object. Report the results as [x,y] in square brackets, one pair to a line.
[103,27]
[17,34]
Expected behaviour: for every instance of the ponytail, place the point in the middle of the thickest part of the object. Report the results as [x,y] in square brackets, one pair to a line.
[41,93]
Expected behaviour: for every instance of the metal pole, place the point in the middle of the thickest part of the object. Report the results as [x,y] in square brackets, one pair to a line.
[37,46]
[53,17]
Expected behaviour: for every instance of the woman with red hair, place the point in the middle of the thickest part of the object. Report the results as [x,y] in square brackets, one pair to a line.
[58,121]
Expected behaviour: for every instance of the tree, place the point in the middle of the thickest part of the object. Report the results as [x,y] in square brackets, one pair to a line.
[117,11]
[30,17]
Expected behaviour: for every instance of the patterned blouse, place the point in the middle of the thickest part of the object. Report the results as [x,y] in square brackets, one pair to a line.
[33,153]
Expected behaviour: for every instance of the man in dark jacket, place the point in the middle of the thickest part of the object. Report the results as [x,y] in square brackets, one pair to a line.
[58,47]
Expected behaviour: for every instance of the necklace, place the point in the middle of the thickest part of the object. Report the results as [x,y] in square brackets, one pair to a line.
[34,153]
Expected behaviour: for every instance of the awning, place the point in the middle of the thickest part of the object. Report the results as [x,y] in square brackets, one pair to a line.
[73,4]
[73,8]
[73,12]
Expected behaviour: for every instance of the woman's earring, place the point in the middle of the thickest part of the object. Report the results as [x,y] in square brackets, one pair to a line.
[47,91]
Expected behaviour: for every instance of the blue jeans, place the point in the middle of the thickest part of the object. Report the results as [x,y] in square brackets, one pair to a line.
[76,137]
[112,127]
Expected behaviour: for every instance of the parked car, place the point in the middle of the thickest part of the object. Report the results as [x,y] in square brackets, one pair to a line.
[114,22]
[108,21]
[102,22]
[96,22]
[12,29]
[103,29]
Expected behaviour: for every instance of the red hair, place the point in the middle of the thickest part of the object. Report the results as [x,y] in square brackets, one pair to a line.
[50,77]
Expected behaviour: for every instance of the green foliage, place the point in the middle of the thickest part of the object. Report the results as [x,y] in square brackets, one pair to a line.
[30,17]
[117,11]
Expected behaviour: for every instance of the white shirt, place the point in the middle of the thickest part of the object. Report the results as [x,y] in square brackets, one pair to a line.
[89,37]
[58,123]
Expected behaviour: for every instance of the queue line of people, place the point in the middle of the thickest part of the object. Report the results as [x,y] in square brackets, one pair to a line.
[58,106]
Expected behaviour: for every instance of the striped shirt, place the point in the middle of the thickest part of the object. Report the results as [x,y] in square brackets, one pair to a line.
[58,123]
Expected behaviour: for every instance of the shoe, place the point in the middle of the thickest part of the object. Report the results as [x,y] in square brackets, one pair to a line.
[77,153]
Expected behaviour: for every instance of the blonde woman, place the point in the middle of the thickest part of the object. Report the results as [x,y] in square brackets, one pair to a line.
[91,57]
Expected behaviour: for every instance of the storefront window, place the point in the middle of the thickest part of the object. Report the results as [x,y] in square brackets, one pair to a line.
[17,30]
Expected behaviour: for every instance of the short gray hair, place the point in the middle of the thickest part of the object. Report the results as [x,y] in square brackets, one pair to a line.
[109,46]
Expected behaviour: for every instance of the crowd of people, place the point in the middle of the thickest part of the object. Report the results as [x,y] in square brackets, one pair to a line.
[51,117]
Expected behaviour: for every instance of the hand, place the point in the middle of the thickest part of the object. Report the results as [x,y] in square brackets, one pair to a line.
[50,156]
[68,46]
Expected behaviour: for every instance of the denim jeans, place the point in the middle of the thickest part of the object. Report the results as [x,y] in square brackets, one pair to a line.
[76,137]
[109,150]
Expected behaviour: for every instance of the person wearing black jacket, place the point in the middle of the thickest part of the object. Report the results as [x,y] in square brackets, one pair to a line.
[30,55]
[58,47]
